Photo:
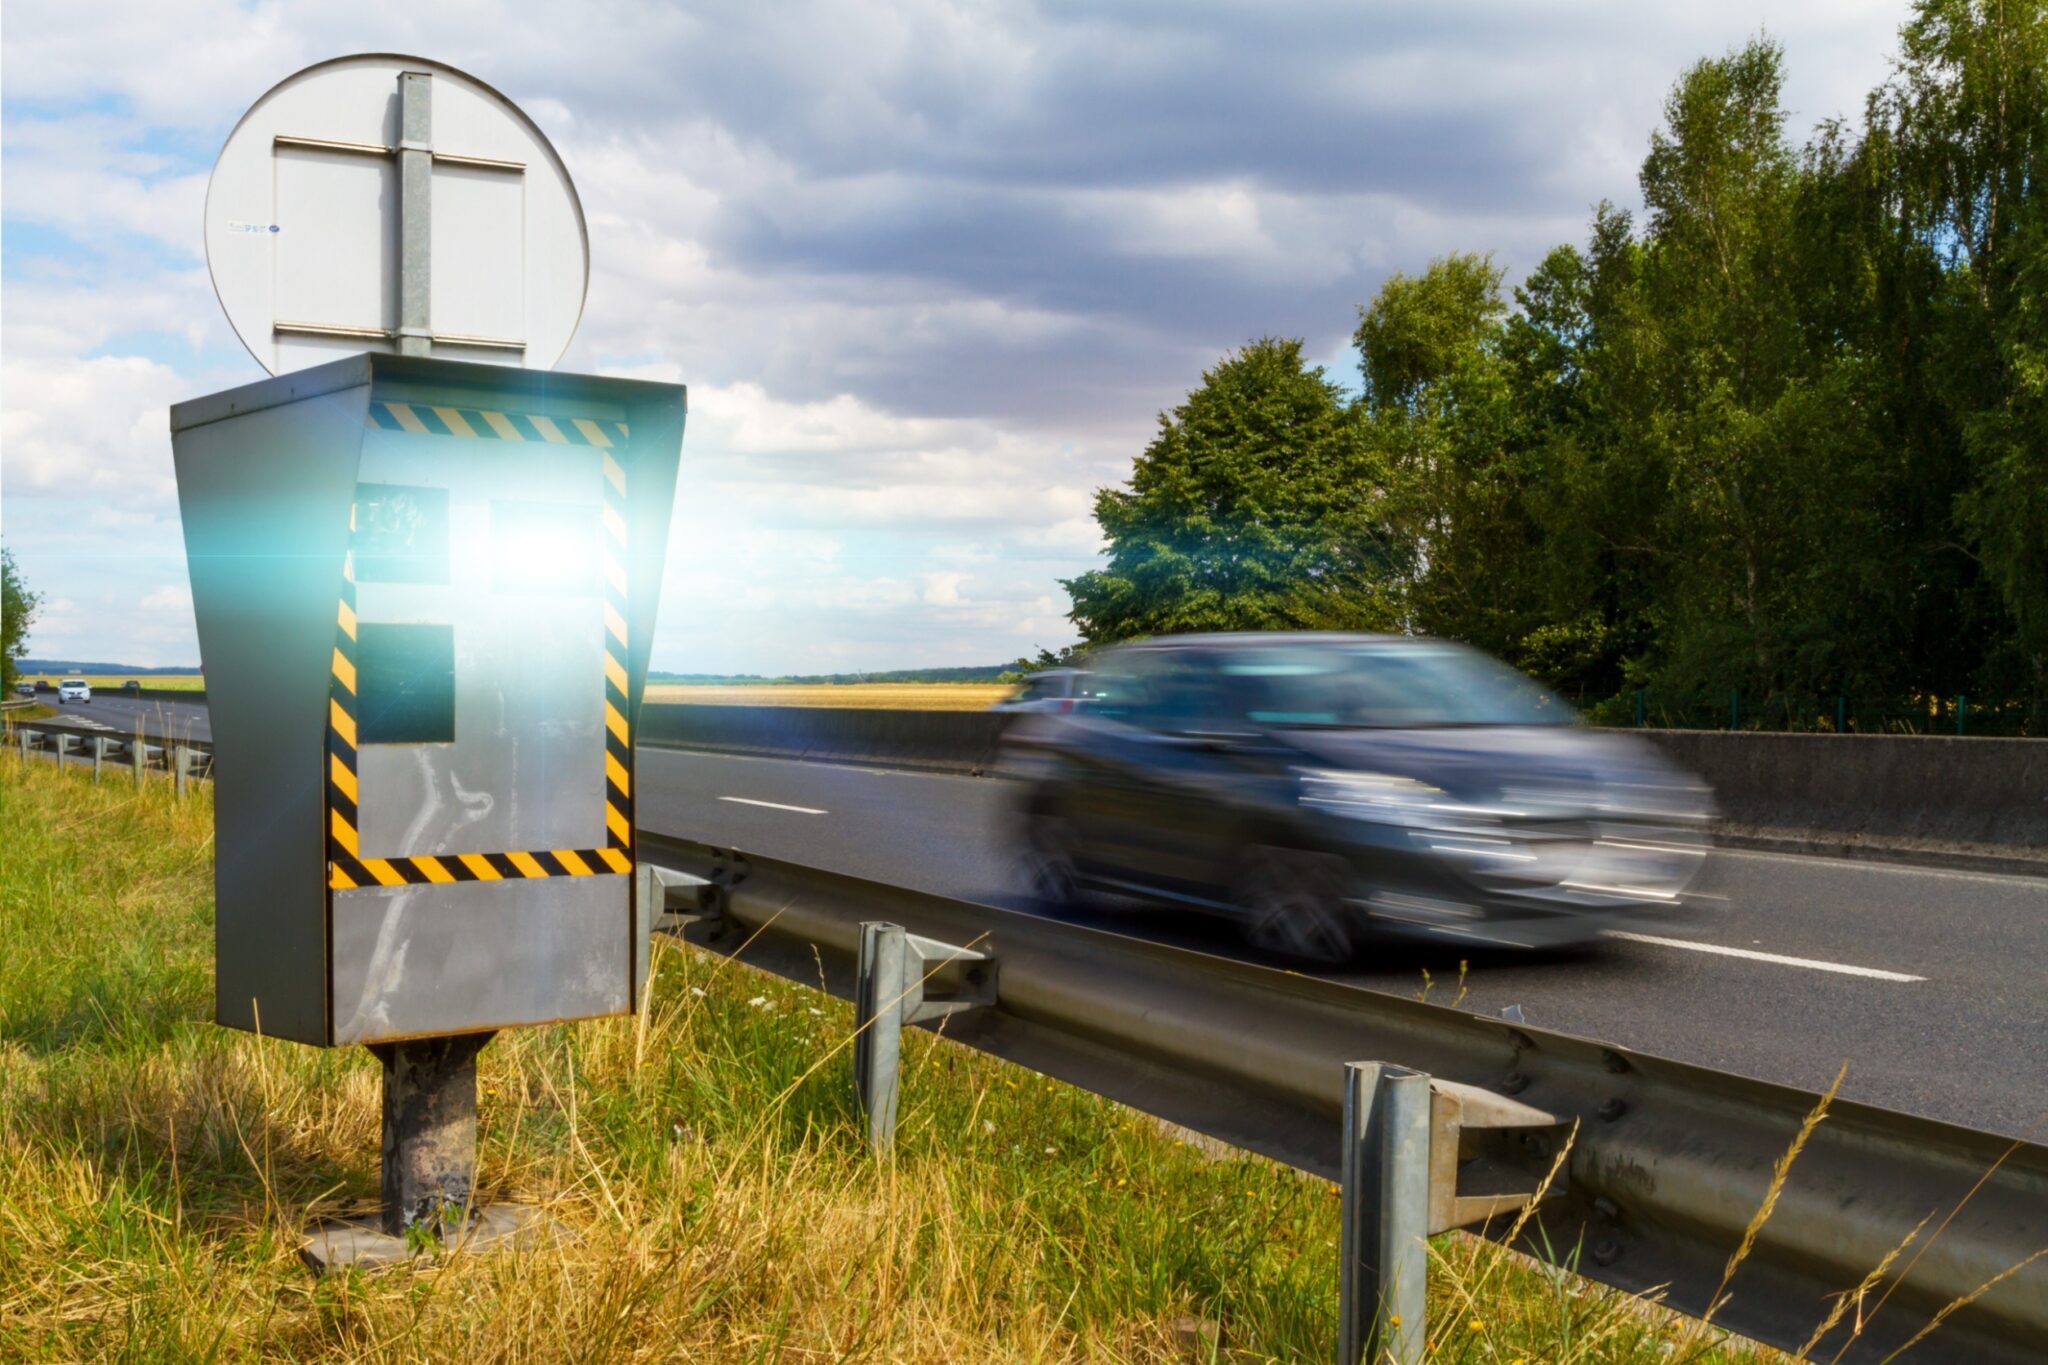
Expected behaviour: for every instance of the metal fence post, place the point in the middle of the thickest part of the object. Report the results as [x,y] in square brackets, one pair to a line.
[138,754]
[99,757]
[1382,1289]
[21,735]
[888,996]
[179,755]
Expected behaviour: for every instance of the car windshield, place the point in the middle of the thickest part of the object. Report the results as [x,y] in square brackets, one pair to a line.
[74,682]
[1385,686]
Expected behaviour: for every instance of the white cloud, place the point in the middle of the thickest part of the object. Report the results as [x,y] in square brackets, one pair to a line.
[171,597]
[96,428]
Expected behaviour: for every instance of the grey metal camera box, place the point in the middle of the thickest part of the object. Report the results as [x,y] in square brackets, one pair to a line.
[425,591]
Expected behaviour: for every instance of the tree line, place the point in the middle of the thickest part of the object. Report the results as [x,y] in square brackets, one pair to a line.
[1784,432]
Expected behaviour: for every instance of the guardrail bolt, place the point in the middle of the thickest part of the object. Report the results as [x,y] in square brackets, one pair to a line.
[1613,1108]
[1607,1250]
[1514,1083]
[1615,1063]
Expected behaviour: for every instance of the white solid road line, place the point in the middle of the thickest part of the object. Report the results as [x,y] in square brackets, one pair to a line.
[1811,964]
[772,805]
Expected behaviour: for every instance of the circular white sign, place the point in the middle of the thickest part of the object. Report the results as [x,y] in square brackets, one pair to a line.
[307,216]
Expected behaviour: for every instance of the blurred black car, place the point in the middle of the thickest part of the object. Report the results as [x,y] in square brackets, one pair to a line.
[1325,789]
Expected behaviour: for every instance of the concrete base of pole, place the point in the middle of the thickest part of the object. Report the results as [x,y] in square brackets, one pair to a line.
[363,1244]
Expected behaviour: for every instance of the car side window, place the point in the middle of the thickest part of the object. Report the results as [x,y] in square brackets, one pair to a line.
[1115,696]
[1176,693]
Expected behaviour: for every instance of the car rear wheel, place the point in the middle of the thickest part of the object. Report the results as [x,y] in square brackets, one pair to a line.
[1050,868]
[1291,902]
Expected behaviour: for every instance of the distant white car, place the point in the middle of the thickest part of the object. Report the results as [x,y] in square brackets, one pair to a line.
[73,689]
[26,689]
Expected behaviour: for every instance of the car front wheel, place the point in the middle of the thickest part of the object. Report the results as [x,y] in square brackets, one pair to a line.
[1291,902]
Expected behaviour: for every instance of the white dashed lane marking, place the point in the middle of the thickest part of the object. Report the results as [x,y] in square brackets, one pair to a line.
[773,805]
[1776,959]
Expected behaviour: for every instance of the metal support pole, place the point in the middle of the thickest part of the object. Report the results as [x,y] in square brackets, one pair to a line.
[138,754]
[878,1019]
[1384,1245]
[415,213]
[888,996]
[21,736]
[99,757]
[179,760]
[429,1133]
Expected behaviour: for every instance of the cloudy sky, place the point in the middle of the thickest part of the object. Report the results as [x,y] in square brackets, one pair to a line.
[929,269]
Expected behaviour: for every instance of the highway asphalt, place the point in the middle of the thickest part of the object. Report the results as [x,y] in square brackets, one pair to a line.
[1931,986]
[117,714]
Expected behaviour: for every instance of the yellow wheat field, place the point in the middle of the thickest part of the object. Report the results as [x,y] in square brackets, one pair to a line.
[111,682]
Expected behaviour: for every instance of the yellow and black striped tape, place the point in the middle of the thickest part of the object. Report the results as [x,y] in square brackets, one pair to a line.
[346,867]
[427,419]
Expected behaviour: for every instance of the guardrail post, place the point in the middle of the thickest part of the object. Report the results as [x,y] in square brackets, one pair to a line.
[179,761]
[138,754]
[1384,1246]
[877,1044]
[21,735]
[99,757]
[889,994]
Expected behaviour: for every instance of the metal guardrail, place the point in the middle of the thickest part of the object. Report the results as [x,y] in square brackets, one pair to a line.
[185,760]
[1668,1163]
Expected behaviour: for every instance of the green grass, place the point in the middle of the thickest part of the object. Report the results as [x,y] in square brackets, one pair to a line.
[157,1172]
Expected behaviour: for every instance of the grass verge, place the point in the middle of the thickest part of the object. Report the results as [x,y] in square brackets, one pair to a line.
[156,1173]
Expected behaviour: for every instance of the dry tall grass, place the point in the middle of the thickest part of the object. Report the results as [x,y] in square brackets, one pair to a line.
[156,1173]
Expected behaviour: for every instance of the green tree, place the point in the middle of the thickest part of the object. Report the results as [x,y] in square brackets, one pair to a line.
[17,613]
[1257,506]
[1968,113]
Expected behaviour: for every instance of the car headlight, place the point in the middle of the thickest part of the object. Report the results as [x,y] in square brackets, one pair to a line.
[1387,799]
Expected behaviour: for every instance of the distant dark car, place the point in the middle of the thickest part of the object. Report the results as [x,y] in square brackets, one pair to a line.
[42,685]
[1054,689]
[131,686]
[1326,789]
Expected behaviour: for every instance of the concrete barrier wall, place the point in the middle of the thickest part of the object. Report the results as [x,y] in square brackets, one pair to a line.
[1976,798]
[1896,792]
[943,741]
